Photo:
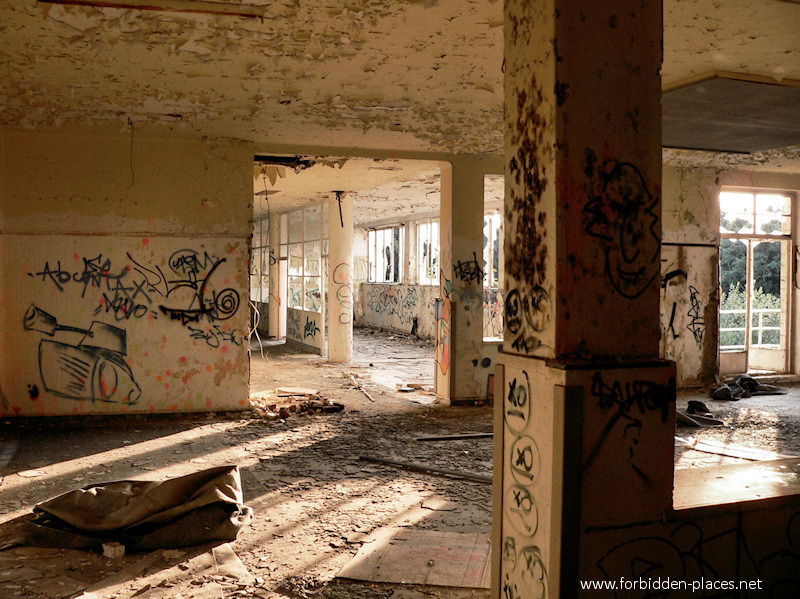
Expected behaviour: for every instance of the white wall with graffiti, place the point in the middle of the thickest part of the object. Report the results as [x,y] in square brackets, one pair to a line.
[304,327]
[411,309]
[110,313]
[690,274]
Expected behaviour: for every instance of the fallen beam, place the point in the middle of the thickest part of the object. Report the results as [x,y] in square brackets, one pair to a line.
[456,437]
[478,478]
[209,7]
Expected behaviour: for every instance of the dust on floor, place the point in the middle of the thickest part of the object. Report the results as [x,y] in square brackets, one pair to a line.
[315,501]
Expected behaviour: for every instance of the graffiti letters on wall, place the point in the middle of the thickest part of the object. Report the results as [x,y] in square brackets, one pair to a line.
[190,291]
[627,403]
[190,283]
[469,271]
[398,302]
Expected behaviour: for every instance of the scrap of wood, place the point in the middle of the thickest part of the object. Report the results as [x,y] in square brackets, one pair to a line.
[478,478]
[456,437]
[745,453]
[360,387]
[209,7]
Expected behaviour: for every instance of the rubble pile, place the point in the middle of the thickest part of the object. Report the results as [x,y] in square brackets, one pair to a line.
[283,403]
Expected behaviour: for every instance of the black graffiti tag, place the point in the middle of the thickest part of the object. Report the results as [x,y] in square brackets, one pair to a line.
[697,325]
[470,270]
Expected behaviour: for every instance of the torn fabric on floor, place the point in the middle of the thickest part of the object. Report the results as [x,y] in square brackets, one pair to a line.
[142,515]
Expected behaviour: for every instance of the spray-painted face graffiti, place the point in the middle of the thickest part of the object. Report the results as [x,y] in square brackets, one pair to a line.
[623,216]
[93,369]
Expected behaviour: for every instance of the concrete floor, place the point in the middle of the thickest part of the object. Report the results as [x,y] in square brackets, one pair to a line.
[315,502]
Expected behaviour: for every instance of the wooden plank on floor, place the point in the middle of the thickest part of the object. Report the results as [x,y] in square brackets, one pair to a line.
[426,557]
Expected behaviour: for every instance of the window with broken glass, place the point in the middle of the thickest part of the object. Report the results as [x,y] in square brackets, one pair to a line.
[259,262]
[492,246]
[385,254]
[428,252]
[307,248]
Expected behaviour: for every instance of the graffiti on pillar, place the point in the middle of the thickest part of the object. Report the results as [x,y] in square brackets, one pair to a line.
[524,572]
[517,411]
[627,403]
[92,369]
[697,324]
[525,575]
[526,248]
[343,280]
[443,324]
[621,213]
[469,271]
[527,314]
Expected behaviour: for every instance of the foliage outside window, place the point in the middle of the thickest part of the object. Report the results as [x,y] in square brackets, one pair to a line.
[428,252]
[385,255]
[749,225]
[492,225]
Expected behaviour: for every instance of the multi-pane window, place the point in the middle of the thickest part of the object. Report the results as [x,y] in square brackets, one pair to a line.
[755,213]
[428,252]
[385,254]
[306,247]
[259,264]
[492,224]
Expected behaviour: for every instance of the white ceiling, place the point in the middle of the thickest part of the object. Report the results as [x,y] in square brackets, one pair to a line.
[383,74]
[360,73]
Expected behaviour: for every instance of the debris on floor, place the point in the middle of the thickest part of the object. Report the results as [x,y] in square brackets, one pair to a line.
[137,515]
[733,451]
[745,386]
[282,405]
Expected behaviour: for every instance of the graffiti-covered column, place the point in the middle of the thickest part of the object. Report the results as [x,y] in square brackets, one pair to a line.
[275,280]
[340,279]
[459,309]
[584,410]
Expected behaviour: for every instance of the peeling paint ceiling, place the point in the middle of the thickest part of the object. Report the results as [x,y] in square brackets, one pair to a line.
[402,74]
[383,191]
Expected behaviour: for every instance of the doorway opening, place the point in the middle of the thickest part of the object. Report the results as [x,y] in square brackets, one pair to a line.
[755,251]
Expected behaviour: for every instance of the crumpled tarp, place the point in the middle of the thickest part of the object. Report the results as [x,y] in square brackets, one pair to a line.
[745,386]
[142,515]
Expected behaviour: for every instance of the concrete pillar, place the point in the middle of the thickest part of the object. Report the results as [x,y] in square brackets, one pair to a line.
[459,317]
[274,276]
[340,279]
[584,410]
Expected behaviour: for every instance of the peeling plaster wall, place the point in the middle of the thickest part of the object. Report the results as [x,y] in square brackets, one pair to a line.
[690,273]
[125,289]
